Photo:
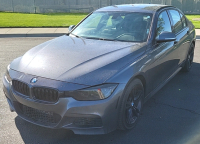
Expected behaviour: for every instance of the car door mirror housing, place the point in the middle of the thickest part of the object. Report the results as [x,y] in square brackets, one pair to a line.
[71,27]
[166,37]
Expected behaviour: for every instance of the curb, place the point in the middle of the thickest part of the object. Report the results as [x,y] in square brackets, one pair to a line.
[32,35]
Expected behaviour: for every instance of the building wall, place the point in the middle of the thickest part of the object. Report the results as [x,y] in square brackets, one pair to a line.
[51,6]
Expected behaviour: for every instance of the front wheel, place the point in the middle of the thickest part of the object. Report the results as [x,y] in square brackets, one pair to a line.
[131,105]
[189,60]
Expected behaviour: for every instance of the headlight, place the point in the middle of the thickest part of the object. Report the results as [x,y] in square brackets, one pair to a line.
[7,75]
[93,93]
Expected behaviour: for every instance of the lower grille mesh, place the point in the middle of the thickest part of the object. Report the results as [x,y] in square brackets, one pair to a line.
[88,122]
[39,116]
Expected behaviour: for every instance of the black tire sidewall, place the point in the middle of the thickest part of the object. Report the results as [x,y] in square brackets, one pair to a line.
[122,118]
[187,67]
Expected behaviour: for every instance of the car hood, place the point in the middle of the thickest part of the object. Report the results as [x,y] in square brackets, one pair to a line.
[76,60]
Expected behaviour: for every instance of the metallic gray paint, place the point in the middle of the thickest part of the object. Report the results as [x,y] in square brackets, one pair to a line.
[69,63]
[74,58]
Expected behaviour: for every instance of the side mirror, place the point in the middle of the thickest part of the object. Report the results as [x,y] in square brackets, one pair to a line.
[71,27]
[166,37]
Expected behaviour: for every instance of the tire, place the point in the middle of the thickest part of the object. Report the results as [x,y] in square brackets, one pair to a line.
[190,56]
[131,105]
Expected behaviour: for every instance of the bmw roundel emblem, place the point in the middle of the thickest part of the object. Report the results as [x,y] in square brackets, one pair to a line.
[33,80]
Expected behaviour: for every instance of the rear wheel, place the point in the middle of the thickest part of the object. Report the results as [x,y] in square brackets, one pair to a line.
[189,60]
[131,105]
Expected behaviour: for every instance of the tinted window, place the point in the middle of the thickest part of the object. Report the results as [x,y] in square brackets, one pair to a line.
[183,21]
[118,26]
[163,24]
[177,24]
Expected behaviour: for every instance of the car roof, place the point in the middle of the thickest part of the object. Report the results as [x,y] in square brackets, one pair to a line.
[149,8]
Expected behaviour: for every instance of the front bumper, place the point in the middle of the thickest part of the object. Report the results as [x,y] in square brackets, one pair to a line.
[82,117]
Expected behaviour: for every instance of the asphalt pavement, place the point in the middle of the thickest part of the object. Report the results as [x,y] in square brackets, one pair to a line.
[171,116]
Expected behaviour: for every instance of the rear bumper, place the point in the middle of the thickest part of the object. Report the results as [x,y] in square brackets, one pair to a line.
[82,117]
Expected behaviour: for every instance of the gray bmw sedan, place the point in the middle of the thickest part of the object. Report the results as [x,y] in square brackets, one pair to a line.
[96,78]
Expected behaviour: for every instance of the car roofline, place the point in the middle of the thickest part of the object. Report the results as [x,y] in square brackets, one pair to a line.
[126,8]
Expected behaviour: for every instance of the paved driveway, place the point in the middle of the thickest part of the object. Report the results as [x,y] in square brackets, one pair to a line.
[172,116]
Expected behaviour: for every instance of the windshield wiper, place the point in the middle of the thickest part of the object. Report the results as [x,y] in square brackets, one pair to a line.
[124,40]
[99,38]
[75,35]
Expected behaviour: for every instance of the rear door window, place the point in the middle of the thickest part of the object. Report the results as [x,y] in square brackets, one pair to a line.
[176,19]
[184,24]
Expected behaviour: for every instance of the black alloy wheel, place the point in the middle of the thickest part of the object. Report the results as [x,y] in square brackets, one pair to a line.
[189,60]
[131,105]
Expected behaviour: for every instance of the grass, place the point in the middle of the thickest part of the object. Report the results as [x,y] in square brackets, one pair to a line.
[195,22]
[40,20]
[53,19]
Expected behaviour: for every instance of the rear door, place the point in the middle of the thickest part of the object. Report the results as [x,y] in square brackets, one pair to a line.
[180,28]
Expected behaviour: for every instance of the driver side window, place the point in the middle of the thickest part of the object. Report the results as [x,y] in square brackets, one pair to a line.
[163,24]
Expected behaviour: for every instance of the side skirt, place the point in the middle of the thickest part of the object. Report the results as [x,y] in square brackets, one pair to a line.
[161,85]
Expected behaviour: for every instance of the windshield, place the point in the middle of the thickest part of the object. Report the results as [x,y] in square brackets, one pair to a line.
[119,26]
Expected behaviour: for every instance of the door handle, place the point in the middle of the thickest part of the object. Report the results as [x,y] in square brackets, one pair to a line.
[188,32]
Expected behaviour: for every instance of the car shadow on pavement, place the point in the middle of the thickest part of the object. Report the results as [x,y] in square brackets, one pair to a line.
[172,115]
